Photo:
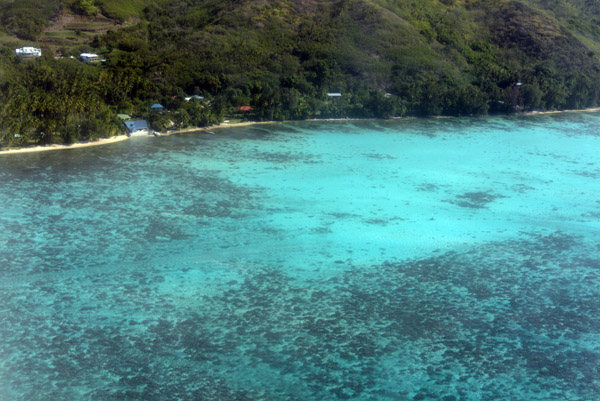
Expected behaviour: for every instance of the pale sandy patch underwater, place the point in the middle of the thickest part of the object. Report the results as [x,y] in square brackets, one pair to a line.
[453,259]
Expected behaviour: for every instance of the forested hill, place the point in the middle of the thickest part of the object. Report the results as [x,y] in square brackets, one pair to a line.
[282,58]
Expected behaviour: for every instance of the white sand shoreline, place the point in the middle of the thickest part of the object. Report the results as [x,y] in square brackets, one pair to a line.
[43,148]
[539,113]
[119,138]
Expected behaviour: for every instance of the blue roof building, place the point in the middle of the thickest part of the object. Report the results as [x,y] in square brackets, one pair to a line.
[157,106]
[139,127]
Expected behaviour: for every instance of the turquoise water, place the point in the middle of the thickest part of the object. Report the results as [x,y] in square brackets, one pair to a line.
[417,259]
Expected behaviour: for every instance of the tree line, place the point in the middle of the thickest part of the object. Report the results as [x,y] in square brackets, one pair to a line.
[281,61]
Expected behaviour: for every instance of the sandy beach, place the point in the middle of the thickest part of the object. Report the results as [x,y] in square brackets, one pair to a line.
[33,149]
[105,141]
[119,138]
[537,113]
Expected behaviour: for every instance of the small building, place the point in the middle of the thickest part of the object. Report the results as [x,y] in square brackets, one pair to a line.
[334,94]
[157,107]
[137,127]
[246,108]
[123,116]
[28,52]
[194,97]
[88,57]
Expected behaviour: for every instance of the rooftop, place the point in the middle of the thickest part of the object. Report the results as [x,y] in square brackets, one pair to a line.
[188,98]
[136,125]
[28,51]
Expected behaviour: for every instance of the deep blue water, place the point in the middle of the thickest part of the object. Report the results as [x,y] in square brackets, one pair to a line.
[416,259]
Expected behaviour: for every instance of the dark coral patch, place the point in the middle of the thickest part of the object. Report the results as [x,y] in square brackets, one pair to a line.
[475,200]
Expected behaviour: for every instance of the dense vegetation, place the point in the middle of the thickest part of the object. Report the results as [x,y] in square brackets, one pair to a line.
[282,57]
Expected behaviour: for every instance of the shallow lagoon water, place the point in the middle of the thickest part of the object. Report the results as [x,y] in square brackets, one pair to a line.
[417,259]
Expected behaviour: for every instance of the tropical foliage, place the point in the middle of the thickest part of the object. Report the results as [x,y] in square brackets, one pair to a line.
[281,58]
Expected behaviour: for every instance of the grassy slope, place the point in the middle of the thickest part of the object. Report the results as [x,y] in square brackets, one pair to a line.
[58,25]
[123,10]
[428,29]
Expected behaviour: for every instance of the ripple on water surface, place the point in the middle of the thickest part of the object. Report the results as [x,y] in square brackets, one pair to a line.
[448,259]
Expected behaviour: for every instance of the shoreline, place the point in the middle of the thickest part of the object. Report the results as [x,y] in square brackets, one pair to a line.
[119,138]
[541,113]
[44,148]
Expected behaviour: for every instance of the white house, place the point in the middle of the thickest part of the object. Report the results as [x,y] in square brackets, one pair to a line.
[28,52]
[334,94]
[193,97]
[88,57]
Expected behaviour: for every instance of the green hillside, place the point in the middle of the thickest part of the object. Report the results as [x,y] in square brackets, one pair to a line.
[282,57]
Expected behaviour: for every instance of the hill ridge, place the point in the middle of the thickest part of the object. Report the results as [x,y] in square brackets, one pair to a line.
[281,57]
